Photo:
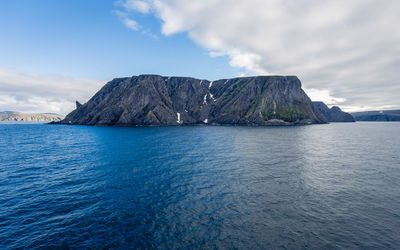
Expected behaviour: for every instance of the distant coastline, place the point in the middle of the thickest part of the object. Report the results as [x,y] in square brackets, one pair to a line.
[377,116]
[13,116]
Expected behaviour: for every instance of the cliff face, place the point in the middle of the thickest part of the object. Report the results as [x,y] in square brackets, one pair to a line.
[24,117]
[157,100]
[334,114]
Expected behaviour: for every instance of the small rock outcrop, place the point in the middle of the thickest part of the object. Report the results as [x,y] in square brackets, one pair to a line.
[157,100]
[334,114]
[78,104]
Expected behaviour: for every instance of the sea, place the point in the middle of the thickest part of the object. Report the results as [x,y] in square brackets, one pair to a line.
[333,186]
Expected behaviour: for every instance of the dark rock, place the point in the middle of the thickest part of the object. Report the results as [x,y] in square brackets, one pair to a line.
[334,114]
[78,104]
[157,100]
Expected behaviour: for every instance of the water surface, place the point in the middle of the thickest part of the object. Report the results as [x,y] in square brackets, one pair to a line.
[322,186]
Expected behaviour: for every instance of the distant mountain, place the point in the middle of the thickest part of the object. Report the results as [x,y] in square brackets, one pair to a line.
[334,114]
[39,117]
[384,115]
[156,100]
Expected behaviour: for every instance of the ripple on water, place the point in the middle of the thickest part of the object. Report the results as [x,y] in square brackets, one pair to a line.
[327,186]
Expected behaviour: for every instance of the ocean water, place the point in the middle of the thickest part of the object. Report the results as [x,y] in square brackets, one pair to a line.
[334,186]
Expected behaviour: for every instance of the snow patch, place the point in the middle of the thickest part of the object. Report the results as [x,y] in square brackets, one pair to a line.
[274,108]
[205,99]
[212,97]
[226,81]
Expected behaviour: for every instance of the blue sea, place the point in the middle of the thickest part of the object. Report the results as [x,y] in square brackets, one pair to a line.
[334,186]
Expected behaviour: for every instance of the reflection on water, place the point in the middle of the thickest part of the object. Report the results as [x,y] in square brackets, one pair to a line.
[322,186]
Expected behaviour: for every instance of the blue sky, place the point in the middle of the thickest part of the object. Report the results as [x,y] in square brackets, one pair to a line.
[345,52]
[86,39]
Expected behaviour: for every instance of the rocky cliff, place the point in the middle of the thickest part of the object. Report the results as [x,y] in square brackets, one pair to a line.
[334,114]
[158,100]
[25,117]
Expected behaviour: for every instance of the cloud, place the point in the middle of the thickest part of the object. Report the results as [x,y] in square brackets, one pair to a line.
[124,16]
[27,92]
[131,24]
[139,6]
[324,96]
[128,22]
[347,48]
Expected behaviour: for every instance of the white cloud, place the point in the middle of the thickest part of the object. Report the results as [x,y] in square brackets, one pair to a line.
[349,48]
[27,92]
[131,24]
[248,61]
[140,6]
[324,96]
[128,22]
[130,6]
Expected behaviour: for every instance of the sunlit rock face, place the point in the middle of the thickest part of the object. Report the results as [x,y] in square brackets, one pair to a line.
[157,100]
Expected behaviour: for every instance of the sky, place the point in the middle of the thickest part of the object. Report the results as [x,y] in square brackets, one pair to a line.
[346,53]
